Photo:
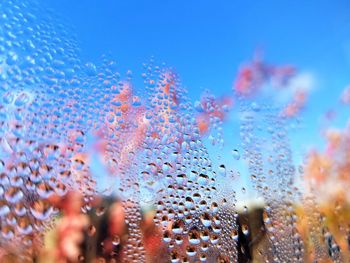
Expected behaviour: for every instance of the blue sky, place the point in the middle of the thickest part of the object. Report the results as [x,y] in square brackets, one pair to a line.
[206,41]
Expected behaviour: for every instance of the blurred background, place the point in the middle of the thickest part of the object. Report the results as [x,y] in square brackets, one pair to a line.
[254,95]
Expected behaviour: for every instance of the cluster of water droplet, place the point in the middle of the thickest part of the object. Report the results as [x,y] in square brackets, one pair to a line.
[211,111]
[265,143]
[27,162]
[52,104]
[197,226]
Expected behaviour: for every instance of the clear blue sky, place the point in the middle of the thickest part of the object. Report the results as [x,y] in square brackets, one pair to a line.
[206,41]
